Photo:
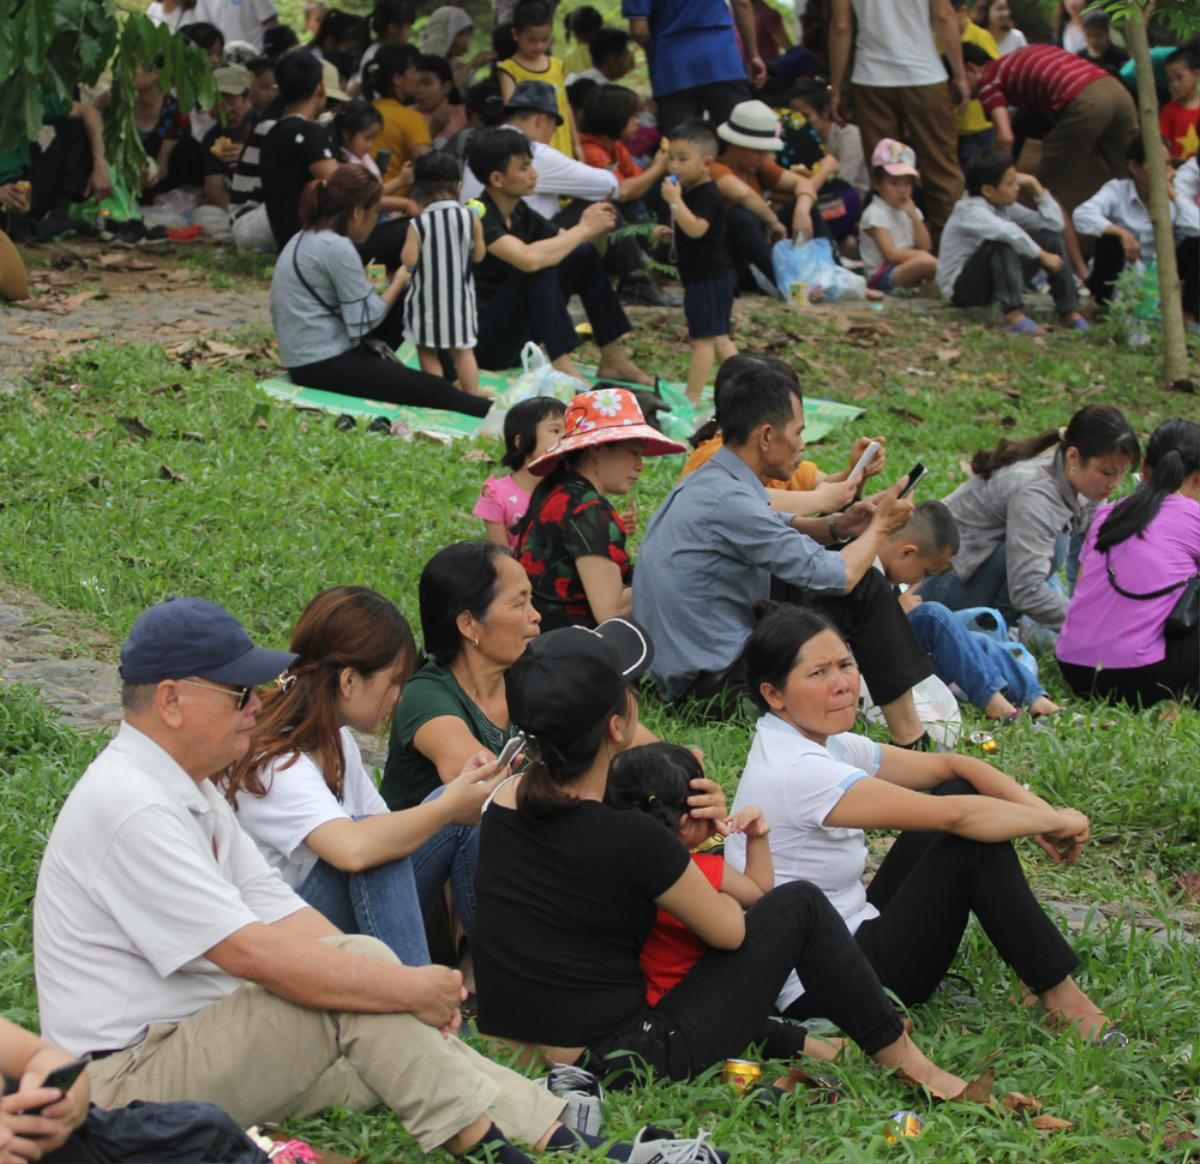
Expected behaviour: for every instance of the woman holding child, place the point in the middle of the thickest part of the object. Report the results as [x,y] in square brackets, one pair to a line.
[569,888]
[820,786]
[571,541]
[1014,514]
[305,796]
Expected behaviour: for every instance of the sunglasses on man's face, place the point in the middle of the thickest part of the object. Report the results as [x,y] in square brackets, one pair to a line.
[241,694]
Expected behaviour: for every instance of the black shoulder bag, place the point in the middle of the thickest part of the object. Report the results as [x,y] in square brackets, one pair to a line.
[1185,614]
[370,344]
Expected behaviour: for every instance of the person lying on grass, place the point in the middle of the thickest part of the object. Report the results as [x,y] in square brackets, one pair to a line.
[304,795]
[569,889]
[656,779]
[821,786]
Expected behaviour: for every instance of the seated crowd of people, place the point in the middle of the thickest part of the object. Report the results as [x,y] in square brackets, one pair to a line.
[226,882]
[229,911]
[481,191]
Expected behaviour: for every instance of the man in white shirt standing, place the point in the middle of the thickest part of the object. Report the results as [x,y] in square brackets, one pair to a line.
[167,947]
[244,20]
[1117,216]
[900,87]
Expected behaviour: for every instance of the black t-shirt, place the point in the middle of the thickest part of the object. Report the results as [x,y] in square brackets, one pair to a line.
[289,150]
[564,908]
[527,225]
[706,257]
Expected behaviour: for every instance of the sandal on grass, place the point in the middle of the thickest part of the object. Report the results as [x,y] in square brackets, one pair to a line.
[1079,324]
[1023,326]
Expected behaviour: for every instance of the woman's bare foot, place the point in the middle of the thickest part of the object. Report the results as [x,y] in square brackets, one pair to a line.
[826,1050]
[1068,1006]
[905,1057]
[566,366]
[615,364]
[998,707]
[1044,706]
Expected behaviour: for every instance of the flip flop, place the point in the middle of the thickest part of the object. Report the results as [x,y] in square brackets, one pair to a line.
[1079,324]
[1024,326]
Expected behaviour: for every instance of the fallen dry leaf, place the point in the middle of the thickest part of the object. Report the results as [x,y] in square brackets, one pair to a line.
[135,427]
[91,434]
[168,474]
[905,414]
[261,422]
[477,455]
[1189,884]
[948,355]
[1173,1138]
[979,1090]
[1020,1104]
[230,350]
[1049,1123]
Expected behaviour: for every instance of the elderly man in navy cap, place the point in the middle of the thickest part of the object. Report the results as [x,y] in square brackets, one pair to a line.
[168,949]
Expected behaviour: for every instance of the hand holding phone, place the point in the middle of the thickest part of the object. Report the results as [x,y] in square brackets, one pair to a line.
[914,475]
[511,752]
[856,474]
[63,1078]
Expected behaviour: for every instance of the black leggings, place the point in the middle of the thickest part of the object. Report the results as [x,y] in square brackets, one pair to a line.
[1177,676]
[926,890]
[725,1001]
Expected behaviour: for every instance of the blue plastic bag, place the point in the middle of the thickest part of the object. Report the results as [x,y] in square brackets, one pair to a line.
[806,272]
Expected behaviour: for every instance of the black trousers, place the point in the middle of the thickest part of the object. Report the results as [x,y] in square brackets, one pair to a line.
[724,1002]
[361,373]
[385,242]
[716,100]
[995,273]
[622,258]
[885,647]
[1109,261]
[533,306]
[748,243]
[1177,676]
[926,890]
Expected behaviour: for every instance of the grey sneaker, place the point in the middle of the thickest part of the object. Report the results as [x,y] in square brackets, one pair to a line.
[656,1146]
[584,1096]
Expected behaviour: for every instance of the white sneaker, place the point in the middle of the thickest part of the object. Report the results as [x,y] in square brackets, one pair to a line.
[655,1146]
[583,1093]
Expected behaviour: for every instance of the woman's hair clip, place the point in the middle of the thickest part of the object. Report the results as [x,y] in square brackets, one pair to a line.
[651,799]
[285,682]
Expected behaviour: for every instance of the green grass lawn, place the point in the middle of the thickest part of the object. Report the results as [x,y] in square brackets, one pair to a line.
[131,477]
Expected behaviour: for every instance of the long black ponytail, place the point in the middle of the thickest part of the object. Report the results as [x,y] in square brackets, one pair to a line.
[1173,455]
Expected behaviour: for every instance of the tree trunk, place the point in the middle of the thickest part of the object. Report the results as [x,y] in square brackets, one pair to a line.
[1175,358]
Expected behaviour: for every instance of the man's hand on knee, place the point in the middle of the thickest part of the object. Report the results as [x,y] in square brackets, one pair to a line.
[436,992]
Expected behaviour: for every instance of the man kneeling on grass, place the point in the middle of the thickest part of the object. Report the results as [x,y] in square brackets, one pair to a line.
[169,949]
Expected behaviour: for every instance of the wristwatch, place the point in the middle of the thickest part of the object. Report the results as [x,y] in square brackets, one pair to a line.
[836,539]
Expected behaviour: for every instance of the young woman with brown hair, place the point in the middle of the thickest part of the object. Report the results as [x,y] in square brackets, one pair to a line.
[303,793]
[329,321]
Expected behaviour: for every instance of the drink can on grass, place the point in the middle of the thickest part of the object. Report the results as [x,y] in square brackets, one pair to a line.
[906,1124]
[741,1074]
[985,741]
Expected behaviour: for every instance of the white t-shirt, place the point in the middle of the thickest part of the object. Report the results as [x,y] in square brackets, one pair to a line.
[1013,39]
[898,222]
[145,871]
[176,20]
[297,801]
[238,19]
[797,783]
[894,48]
[1073,39]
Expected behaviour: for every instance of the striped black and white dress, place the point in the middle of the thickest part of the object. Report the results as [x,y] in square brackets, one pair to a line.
[439,310]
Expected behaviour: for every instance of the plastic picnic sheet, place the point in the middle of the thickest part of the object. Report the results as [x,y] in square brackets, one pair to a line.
[822,416]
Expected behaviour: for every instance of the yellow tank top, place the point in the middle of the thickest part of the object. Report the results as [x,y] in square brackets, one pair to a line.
[554,75]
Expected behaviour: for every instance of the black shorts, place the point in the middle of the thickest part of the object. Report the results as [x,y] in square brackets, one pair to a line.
[708,306]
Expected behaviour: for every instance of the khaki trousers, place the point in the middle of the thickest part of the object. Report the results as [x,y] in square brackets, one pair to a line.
[1101,120]
[921,116]
[260,1058]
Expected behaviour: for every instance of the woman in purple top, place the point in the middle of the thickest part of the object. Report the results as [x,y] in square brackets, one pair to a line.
[1147,544]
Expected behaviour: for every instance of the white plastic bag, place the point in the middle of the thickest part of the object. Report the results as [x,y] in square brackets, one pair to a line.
[806,272]
[539,378]
[935,704]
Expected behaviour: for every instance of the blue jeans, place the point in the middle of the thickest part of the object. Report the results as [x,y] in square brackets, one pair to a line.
[988,586]
[389,901]
[976,662]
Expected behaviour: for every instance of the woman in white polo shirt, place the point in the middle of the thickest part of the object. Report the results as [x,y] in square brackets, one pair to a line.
[820,786]
[303,793]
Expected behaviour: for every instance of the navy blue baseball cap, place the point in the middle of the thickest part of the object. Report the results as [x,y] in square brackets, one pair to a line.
[182,637]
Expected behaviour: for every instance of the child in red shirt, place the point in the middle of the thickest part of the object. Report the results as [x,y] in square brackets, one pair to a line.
[1179,121]
[656,779]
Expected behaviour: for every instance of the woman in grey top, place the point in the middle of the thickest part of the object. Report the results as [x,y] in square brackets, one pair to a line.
[325,310]
[1015,513]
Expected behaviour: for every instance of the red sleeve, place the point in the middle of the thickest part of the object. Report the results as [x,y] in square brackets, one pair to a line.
[991,90]
[712,865]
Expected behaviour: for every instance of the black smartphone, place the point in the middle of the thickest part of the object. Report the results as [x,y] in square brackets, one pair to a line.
[383,159]
[63,1078]
[914,475]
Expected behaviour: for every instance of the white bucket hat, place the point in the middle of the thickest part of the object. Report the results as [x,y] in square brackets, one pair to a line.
[752,124]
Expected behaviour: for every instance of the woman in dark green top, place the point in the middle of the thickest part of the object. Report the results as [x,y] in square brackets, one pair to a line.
[477,617]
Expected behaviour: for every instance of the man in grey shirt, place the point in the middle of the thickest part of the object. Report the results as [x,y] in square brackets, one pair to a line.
[714,547]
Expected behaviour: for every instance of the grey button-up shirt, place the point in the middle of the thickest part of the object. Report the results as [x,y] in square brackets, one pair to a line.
[709,553]
[1026,505]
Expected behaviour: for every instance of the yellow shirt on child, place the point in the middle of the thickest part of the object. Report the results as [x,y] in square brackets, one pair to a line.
[554,75]
[975,120]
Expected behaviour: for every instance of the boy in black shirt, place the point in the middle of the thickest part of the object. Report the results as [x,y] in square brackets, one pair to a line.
[705,268]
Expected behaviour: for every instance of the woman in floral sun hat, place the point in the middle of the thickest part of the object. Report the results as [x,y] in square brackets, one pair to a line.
[571,541]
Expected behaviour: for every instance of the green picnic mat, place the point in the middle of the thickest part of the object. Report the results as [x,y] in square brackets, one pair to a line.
[822,416]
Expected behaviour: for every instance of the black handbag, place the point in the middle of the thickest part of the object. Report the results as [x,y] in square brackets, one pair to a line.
[1185,614]
[373,345]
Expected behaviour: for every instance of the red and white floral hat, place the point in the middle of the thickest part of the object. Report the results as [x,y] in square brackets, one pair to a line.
[600,417]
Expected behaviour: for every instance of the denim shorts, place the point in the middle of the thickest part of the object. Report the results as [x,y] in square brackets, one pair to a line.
[882,279]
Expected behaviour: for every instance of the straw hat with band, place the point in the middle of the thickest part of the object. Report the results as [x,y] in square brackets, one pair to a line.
[600,417]
[752,124]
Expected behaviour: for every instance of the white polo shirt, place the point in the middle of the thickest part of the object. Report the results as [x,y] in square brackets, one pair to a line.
[298,801]
[797,783]
[144,871]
